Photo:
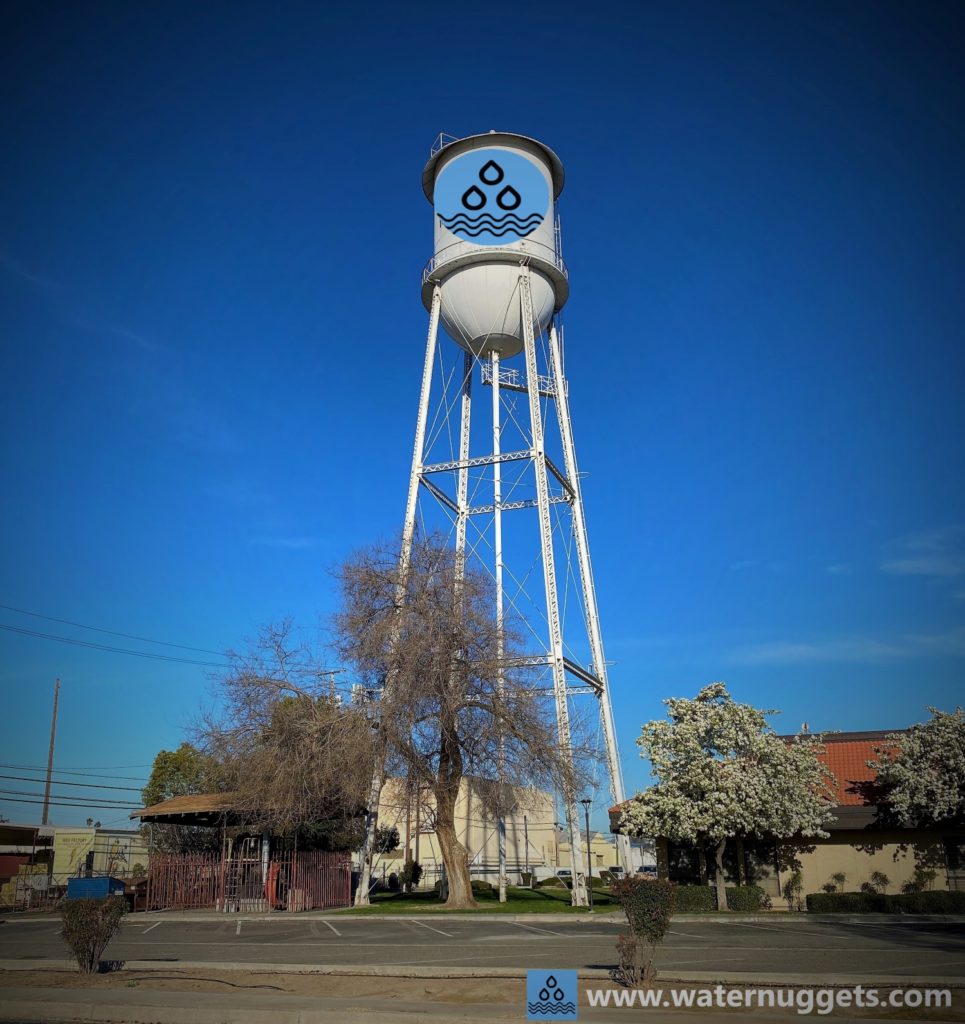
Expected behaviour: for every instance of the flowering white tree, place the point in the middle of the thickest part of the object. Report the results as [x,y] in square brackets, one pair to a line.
[921,773]
[722,772]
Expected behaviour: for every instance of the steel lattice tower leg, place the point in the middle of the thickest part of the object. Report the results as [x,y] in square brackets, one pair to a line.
[552,597]
[405,556]
[589,589]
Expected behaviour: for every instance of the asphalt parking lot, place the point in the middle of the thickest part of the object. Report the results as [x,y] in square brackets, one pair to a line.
[896,949]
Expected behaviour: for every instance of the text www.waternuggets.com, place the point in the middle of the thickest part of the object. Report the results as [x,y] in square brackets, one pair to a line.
[803,1000]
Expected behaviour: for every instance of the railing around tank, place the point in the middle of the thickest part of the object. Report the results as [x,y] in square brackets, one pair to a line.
[441,142]
[457,250]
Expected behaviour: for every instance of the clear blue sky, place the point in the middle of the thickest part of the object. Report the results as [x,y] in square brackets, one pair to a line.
[211,235]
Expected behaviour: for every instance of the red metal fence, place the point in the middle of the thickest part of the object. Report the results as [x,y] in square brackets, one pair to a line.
[292,881]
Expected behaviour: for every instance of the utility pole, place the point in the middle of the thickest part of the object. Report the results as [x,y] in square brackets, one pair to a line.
[526,841]
[587,803]
[50,754]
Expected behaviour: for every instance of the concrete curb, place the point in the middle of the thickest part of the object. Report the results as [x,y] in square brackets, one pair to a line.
[588,974]
[187,917]
[609,917]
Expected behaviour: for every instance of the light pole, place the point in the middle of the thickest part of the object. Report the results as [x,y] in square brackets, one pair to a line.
[587,804]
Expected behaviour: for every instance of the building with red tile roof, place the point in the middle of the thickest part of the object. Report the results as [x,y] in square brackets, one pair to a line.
[859,843]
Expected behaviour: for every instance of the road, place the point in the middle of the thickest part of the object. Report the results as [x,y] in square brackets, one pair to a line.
[865,950]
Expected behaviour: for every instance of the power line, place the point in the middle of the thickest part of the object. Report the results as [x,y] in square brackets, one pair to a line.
[113,650]
[87,773]
[59,803]
[62,782]
[110,632]
[79,801]
[90,645]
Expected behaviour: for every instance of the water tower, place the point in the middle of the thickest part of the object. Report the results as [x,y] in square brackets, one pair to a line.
[497,283]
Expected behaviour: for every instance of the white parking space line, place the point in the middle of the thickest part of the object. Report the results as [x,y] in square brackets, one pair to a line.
[334,929]
[438,931]
[151,927]
[541,931]
[238,929]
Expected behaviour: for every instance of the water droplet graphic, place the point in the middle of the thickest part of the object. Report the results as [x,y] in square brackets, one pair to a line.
[469,194]
[558,994]
[508,199]
[495,175]
[551,982]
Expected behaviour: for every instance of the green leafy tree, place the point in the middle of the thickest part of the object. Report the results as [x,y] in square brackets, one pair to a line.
[386,839]
[920,774]
[182,772]
[722,772]
[185,771]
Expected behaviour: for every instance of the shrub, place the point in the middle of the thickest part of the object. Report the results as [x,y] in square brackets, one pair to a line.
[89,926]
[526,877]
[878,882]
[629,969]
[829,887]
[694,899]
[478,885]
[924,879]
[138,871]
[411,875]
[941,902]
[648,904]
[792,889]
[838,878]
[746,898]
[881,903]
[393,882]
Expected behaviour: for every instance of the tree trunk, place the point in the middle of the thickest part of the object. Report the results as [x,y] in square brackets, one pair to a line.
[456,861]
[719,881]
[447,785]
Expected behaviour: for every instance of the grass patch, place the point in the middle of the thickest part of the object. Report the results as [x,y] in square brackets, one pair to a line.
[518,901]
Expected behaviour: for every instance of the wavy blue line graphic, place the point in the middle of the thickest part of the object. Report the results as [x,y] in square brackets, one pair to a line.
[481,216]
[490,224]
[551,1008]
[490,231]
[489,217]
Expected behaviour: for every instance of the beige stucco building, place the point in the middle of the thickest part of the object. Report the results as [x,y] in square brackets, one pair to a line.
[603,853]
[531,839]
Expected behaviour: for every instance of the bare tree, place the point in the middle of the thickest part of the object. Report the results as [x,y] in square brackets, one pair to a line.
[297,757]
[457,698]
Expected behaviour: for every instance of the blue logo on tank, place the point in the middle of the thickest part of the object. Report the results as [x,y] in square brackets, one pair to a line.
[491,197]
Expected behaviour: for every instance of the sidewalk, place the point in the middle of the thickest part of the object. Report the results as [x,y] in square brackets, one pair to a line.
[164,1007]
[145,1007]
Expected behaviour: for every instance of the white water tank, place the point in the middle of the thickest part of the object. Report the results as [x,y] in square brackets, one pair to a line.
[494,202]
